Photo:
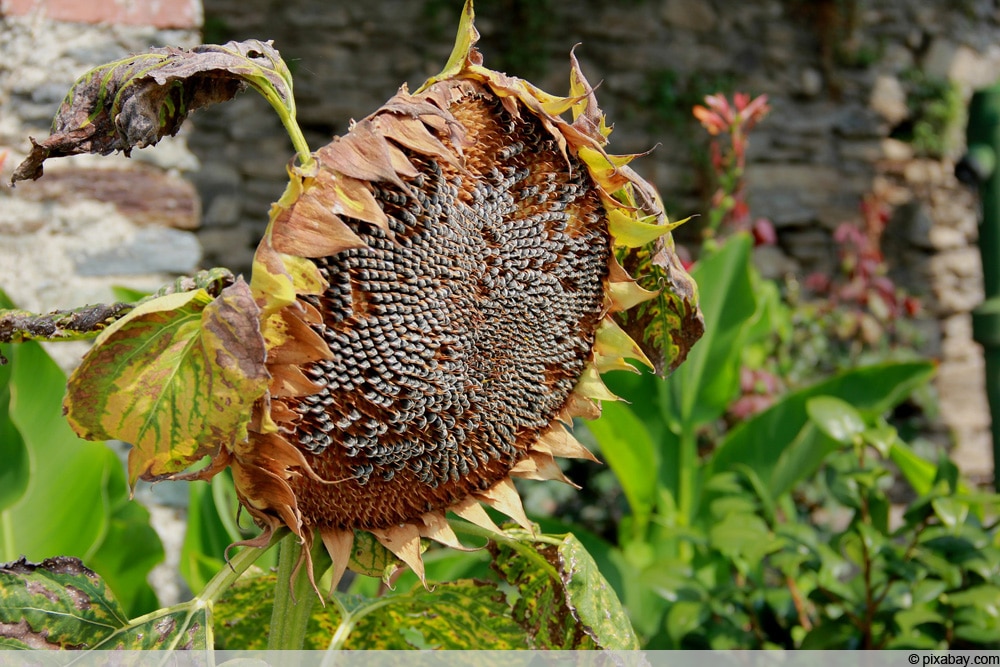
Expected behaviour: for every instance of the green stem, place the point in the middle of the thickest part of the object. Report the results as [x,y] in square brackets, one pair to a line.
[526,550]
[687,466]
[239,564]
[286,112]
[294,597]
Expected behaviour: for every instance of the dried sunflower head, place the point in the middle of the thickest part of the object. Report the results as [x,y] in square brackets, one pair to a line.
[437,294]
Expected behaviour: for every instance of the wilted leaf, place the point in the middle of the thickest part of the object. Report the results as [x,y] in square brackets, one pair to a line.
[136,101]
[562,600]
[176,378]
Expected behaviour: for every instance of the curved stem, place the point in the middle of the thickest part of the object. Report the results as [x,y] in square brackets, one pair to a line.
[287,114]
[526,550]
[239,564]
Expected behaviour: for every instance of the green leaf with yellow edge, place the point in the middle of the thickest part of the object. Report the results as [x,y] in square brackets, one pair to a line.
[176,378]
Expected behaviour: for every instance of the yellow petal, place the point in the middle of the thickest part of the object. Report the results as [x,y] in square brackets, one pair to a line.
[612,345]
[630,232]
[591,385]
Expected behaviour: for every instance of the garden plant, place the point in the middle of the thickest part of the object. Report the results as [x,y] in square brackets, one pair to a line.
[439,298]
[432,304]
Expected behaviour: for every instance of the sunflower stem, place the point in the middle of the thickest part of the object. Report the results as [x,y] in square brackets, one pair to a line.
[294,597]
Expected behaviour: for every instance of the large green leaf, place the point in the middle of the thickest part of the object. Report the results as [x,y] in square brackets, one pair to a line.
[703,386]
[16,465]
[462,614]
[176,378]
[60,604]
[552,596]
[77,486]
[594,603]
[67,481]
[455,615]
[762,442]
[626,446]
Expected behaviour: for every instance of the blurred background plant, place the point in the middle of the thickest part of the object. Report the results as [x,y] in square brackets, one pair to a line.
[770,494]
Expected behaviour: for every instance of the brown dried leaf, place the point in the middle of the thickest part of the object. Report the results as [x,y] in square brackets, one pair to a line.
[136,101]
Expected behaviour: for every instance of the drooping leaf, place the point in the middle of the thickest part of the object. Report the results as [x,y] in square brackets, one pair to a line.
[17,326]
[136,101]
[175,378]
[562,600]
[87,322]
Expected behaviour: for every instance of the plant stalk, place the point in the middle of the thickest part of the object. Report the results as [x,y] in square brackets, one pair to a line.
[294,596]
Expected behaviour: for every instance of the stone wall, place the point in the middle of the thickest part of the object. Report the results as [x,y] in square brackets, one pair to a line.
[93,223]
[836,73]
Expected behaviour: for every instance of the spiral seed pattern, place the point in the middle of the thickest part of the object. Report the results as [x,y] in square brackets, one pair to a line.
[458,339]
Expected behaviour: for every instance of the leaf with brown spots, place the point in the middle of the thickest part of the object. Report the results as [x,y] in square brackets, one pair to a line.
[56,604]
[136,101]
[563,602]
[60,604]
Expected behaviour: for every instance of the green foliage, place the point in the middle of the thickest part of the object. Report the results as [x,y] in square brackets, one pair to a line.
[936,114]
[779,531]
[66,475]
